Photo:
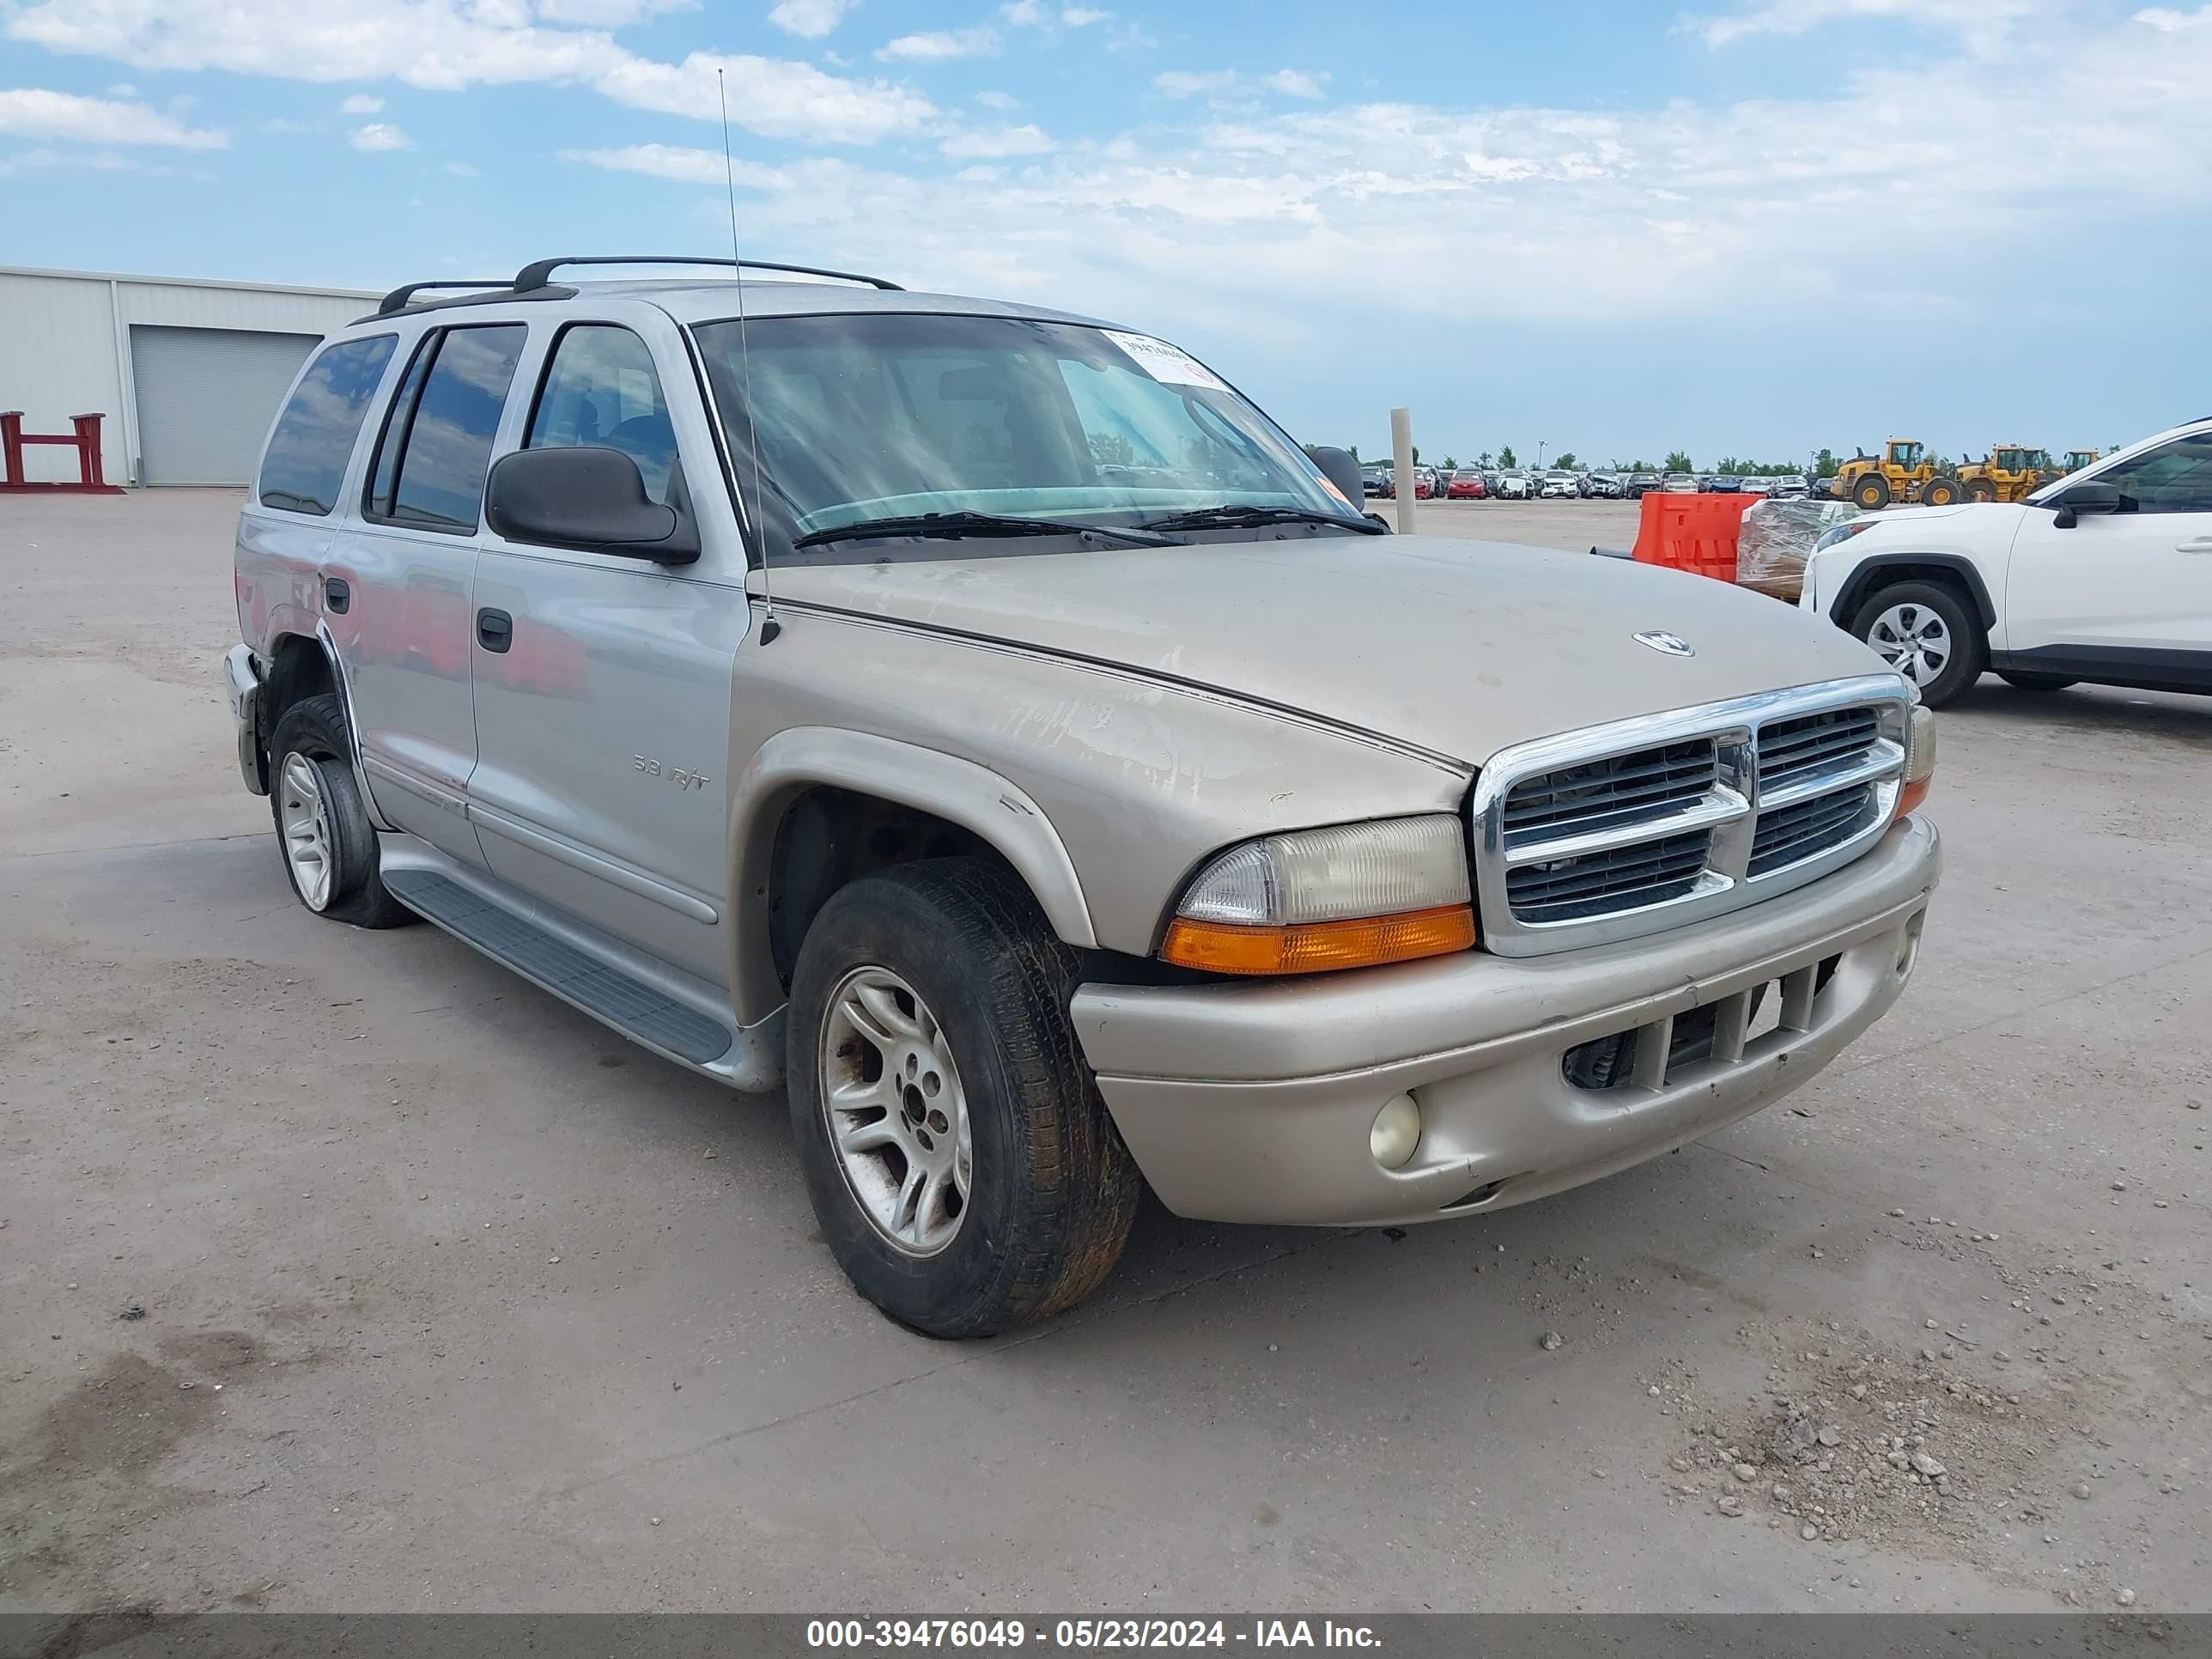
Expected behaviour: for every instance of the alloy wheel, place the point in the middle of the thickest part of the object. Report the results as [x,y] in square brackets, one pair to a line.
[895,1111]
[304,814]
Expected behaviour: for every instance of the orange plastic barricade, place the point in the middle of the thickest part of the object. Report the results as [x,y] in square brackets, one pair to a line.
[1692,533]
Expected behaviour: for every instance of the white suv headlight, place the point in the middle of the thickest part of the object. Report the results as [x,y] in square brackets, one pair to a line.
[1313,900]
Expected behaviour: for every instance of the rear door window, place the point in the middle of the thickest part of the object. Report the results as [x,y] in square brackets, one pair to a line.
[436,448]
[314,436]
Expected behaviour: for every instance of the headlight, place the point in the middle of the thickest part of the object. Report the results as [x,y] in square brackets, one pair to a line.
[1316,900]
[1844,532]
[1919,758]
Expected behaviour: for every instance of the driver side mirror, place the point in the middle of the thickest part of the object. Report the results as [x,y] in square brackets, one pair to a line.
[2091,496]
[591,498]
[1340,470]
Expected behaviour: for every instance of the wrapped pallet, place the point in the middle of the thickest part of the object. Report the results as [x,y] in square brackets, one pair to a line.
[1777,537]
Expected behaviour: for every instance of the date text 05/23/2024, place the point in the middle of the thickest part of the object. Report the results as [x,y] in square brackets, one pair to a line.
[1086,1633]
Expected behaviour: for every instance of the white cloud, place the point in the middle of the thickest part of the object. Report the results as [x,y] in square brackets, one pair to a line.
[940,45]
[2168,19]
[361,104]
[461,169]
[1296,83]
[122,89]
[35,112]
[810,19]
[606,14]
[445,45]
[1082,17]
[278,124]
[1974,19]
[774,98]
[98,160]
[1190,83]
[379,135]
[994,146]
[998,101]
[1024,14]
[684,166]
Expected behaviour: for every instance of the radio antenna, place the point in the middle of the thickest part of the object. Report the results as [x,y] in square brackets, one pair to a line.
[770,626]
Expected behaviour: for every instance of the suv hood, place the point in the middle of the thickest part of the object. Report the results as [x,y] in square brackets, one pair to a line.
[1912,515]
[1460,647]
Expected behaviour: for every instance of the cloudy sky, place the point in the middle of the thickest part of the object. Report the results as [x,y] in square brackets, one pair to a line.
[1611,227]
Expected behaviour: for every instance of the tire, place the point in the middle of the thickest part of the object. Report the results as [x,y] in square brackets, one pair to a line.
[1981,490]
[310,783]
[981,986]
[1939,492]
[1871,492]
[2037,682]
[1906,622]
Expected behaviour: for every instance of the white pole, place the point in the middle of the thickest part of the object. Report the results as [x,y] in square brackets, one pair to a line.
[1402,456]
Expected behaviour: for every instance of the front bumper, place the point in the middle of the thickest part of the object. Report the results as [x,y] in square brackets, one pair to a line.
[1253,1102]
[241,679]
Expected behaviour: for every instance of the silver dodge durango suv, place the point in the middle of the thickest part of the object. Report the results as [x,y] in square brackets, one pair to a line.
[987,724]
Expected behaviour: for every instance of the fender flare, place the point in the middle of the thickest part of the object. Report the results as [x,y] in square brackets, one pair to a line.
[960,790]
[318,631]
[1853,593]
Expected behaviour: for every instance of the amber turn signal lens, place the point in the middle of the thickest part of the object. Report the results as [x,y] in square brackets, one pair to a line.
[1913,795]
[1319,947]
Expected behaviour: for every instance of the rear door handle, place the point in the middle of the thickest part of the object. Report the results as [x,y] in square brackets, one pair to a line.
[337,594]
[2202,544]
[495,629]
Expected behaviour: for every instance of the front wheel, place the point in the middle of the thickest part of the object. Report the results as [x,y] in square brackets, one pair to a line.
[1939,492]
[962,1167]
[1926,634]
[1871,493]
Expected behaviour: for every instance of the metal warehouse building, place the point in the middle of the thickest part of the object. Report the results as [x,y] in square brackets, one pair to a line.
[188,373]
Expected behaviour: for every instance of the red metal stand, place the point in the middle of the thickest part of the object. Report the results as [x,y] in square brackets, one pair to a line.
[84,438]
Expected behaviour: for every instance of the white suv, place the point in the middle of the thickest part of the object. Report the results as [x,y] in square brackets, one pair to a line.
[2104,576]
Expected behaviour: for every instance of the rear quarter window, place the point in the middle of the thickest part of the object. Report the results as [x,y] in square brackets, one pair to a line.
[308,453]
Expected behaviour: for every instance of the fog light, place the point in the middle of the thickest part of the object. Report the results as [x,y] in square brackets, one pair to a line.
[1396,1132]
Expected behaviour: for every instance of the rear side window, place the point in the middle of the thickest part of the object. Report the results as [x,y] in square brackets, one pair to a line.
[436,446]
[314,435]
[601,391]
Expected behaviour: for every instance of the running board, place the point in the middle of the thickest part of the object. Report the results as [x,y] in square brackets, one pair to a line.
[600,989]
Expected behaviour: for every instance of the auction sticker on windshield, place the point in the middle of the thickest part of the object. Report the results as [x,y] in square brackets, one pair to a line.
[1170,365]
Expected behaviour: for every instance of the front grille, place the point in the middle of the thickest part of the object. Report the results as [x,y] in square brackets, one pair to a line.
[1620,789]
[1614,831]
[1790,833]
[1790,749]
[1617,879]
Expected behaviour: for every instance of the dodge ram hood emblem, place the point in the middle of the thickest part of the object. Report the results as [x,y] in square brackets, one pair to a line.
[1673,644]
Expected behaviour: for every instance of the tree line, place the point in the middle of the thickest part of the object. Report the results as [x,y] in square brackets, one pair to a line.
[1824,466]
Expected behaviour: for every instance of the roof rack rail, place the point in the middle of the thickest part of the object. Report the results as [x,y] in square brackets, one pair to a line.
[534,276]
[400,298]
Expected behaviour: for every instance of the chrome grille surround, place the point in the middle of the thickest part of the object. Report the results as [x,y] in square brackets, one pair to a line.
[1837,750]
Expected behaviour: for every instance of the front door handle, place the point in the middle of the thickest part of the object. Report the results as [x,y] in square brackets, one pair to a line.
[2202,544]
[495,629]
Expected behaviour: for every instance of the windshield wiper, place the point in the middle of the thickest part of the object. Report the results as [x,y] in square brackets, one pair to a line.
[1231,517]
[952,525]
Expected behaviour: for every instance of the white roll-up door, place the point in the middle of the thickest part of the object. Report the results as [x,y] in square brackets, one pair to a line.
[206,397]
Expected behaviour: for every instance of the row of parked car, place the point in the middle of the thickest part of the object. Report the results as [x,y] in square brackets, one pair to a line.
[1470,483]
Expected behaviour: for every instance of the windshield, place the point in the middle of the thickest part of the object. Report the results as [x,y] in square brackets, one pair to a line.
[898,414]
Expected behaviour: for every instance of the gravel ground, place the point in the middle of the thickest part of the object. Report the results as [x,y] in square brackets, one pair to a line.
[342,1270]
